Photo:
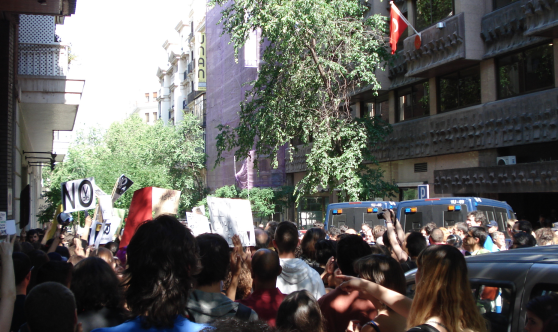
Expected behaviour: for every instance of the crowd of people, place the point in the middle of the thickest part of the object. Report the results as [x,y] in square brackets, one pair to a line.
[324,281]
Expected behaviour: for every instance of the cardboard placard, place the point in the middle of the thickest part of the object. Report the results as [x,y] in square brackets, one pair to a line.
[164,201]
[78,195]
[197,223]
[232,216]
[7,227]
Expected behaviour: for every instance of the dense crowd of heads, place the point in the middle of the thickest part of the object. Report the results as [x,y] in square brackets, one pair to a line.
[318,280]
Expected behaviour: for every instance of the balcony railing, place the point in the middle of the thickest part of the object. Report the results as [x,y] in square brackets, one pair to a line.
[43,59]
[185,75]
[191,66]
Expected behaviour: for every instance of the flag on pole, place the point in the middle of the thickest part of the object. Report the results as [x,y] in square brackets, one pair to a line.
[397,26]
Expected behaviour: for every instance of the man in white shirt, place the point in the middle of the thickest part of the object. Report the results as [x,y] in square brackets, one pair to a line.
[296,275]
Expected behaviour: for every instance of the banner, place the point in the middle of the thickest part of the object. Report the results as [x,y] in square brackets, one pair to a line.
[78,195]
[232,216]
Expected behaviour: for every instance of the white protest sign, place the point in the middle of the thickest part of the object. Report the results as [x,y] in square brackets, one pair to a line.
[78,195]
[232,216]
[103,232]
[7,227]
[2,215]
[105,202]
[197,223]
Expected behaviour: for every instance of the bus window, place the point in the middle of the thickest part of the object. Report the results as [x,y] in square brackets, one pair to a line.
[413,222]
[488,211]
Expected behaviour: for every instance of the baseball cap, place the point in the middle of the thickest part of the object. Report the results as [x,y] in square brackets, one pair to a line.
[492,223]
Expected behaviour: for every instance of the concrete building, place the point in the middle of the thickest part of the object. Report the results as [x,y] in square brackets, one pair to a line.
[38,99]
[146,105]
[183,78]
[474,109]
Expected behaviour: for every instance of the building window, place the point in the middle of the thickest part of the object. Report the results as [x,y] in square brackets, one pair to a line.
[154,95]
[497,4]
[526,71]
[413,102]
[154,116]
[460,89]
[146,117]
[379,107]
[429,12]
[147,97]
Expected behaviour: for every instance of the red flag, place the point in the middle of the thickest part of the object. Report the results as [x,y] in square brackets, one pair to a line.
[397,27]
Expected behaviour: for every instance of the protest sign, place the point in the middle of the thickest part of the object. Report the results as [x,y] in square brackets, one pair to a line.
[103,233]
[148,203]
[197,223]
[122,185]
[164,201]
[7,227]
[105,202]
[232,216]
[78,195]
[3,215]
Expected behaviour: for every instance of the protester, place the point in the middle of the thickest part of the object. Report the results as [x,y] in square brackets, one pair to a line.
[436,237]
[446,233]
[162,260]
[235,325]
[378,232]
[324,250]
[311,237]
[22,271]
[266,298]
[98,294]
[394,237]
[415,243]
[206,302]
[522,226]
[106,255]
[56,271]
[443,298]
[299,312]
[545,237]
[51,307]
[262,239]
[338,306]
[333,233]
[478,219]
[8,291]
[499,240]
[461,229]
[540,311]
[385,271]
[455,241]
[296,274]
[523,240]
[474,241]
[38,259]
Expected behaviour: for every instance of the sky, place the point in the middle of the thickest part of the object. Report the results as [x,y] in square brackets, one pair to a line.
[118,44]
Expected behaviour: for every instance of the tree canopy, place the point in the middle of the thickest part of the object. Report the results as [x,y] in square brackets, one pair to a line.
[318,53]
[155,155]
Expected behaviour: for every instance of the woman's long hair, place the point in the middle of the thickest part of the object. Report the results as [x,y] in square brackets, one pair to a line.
[163,257]
[443,290]
[312,236]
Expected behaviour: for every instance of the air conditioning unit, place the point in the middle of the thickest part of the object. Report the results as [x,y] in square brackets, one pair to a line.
[505,160]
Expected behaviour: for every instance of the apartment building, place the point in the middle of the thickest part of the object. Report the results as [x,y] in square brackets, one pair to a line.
[474,109]
[38,100]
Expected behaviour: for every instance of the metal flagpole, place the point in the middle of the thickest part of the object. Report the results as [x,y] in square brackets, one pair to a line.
[403,17]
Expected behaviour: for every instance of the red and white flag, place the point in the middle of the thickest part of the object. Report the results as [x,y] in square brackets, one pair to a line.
[397,27]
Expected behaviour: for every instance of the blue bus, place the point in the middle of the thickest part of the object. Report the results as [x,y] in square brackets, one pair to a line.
[446,211]
[354,214]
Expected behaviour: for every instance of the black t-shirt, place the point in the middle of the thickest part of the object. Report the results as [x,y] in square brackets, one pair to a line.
[18,318]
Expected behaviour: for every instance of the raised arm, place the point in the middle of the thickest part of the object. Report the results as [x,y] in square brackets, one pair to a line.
[396,301]
[399,252]
[8,291]
[398,227]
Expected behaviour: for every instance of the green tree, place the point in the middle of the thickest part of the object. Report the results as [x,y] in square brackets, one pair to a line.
[319,53]
[150,155]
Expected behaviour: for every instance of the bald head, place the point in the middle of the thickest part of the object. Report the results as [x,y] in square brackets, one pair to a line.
[437,235]
[265,265]
[262,239]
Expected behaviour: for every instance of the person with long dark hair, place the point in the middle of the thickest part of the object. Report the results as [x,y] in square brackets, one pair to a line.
[98,294]
[162,260]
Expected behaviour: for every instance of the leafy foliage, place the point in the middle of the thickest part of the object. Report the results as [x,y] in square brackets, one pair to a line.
[318,54]
[150,155]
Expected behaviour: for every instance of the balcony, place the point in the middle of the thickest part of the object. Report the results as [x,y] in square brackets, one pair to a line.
[503,31]
[43,59]
[191,67]
[541,18]
[193,95]
[49,100]
[442,50]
